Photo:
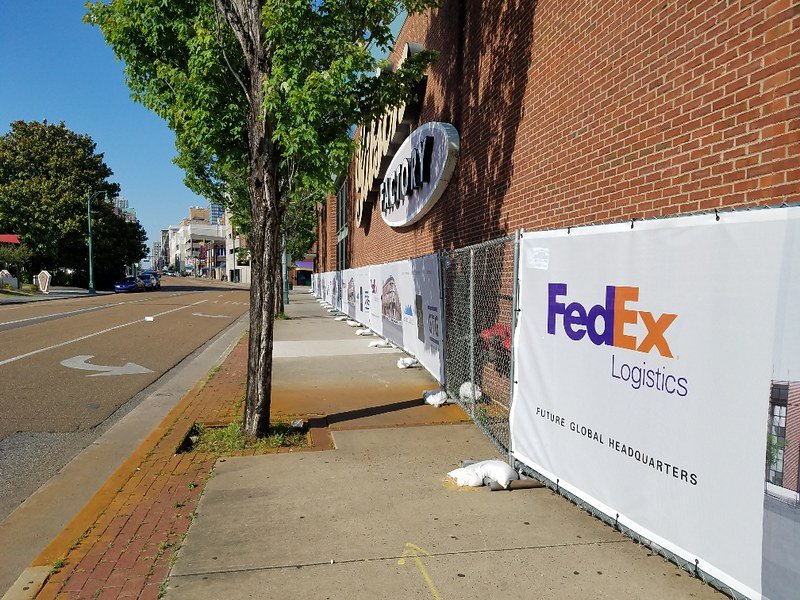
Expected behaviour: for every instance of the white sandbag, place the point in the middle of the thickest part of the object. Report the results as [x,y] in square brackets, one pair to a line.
[363,332]
[496,470]
[381,344]
[466,477]
[469,392]
[436,397]
[342,318]
[407,362]
[353,323]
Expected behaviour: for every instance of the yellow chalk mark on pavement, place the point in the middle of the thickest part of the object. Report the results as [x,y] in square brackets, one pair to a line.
[414,552]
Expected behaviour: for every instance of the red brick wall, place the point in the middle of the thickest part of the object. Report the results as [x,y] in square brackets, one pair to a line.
[583,112]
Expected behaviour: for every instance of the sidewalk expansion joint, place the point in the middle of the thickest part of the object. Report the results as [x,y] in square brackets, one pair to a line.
[398,557]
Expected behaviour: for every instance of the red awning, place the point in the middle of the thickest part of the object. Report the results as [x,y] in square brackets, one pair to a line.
[9,238]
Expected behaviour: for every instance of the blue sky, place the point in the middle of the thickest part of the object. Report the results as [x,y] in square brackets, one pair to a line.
[54,67]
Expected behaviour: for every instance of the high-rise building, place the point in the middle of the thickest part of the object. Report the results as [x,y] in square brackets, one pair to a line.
[155,258]
[120,204]
[217,212]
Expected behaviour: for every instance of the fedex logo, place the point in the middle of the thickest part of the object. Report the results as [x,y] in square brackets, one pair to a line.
[614,315]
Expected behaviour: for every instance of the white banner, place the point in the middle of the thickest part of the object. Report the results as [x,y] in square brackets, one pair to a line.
[644,358]
[399,301]
[361,282]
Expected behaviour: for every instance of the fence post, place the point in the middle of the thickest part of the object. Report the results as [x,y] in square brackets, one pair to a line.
[442,320]
[472,332]
[514,313]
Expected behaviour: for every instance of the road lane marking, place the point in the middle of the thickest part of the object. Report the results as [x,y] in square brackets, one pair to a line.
[414,552]
[81,310]
[70,312]
[80,362]
[211,316]
[91,335]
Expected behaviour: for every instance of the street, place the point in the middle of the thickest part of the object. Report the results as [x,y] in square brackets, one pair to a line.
[69,368]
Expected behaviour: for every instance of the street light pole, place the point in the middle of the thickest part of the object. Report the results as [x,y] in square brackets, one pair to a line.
[90,195]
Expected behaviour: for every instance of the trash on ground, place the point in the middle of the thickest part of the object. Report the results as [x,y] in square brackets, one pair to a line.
[469,392]
[297,424]
[149,319]
[364,332]
[381,344]
[473,475]
[407,362]
[353,323]
[436,397]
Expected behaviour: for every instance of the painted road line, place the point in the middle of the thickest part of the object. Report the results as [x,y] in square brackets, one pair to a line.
[91,335]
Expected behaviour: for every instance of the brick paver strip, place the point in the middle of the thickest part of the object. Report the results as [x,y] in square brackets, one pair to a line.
[121,543]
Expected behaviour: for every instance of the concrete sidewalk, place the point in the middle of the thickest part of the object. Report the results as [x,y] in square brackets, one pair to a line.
[375,516]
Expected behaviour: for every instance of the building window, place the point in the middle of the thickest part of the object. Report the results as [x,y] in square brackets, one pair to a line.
[779,395]
[342,230]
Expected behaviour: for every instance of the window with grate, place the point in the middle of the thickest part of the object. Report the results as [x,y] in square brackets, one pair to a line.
[779,395]
[342,229]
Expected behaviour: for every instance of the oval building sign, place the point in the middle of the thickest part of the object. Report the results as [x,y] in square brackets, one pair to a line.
[419,173]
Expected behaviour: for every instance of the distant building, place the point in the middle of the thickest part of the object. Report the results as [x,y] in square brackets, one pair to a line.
[155,257]
[198,214]
[238,256]
[196,247]
[120,204]
[217,213]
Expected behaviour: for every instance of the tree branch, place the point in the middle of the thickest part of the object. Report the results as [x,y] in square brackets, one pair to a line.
[225,54]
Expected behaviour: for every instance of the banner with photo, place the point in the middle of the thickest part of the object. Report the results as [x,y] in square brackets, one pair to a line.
[400,301]
[349,293]
[648,361]
[362,295]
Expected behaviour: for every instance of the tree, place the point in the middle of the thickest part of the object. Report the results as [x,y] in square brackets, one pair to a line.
[265,91]
[15,256]
[46,171]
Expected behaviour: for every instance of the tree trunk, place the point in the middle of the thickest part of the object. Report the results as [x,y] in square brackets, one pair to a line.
[263,242]
[244,19]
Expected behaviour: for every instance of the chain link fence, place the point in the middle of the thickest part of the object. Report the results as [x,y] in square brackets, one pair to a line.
[479,304]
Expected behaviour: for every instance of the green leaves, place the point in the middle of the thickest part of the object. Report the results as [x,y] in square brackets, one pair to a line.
[46,171]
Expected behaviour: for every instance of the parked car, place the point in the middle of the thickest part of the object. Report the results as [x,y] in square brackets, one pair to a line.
[129,284]
[151,282]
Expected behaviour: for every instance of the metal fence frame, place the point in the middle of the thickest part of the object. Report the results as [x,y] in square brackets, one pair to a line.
[491,427]
[479,302]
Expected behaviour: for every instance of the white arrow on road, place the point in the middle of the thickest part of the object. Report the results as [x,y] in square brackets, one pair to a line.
[211,316]
[79,362]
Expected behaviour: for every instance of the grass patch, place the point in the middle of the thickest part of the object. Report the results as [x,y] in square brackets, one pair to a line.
[282,317]
[220,440]
[57,565]
[213,372]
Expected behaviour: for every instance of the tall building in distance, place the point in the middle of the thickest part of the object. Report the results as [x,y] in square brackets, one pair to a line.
[124,210]
[120,204]
[217,213]
[155,258]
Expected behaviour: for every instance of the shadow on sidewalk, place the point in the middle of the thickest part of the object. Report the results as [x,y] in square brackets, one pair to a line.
[371,411]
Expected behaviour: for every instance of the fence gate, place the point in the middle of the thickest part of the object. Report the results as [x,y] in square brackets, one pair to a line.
[479,288]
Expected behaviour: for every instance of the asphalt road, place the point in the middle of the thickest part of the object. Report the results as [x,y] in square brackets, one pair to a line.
[70,368]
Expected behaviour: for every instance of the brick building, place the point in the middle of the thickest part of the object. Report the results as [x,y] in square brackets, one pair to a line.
[572,113]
